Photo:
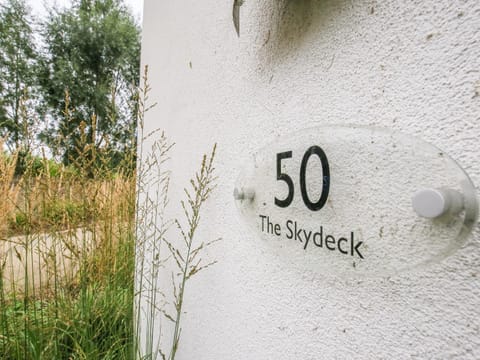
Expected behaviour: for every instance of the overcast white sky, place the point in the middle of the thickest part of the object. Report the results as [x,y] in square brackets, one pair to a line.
[38,6]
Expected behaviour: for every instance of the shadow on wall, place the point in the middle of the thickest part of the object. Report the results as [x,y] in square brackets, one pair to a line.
[284,25]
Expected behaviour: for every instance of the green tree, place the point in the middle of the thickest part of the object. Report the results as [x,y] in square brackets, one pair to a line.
[92,55]
[18,71]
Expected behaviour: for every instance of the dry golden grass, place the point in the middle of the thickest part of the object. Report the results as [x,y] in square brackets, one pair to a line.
[67,247]
[69,238]
[9,190]
[50,225]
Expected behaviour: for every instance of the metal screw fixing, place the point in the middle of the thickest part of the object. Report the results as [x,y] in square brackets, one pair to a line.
[433,203]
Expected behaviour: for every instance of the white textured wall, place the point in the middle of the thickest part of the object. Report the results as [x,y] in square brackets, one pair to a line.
[413,66]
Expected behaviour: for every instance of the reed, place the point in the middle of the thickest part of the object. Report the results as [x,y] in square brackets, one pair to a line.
[67,255]
[84,248]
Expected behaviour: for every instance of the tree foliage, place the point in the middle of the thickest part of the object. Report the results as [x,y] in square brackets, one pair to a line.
[18,70]
[90,65]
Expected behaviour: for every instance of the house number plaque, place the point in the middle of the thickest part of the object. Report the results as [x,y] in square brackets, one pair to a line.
[362,201]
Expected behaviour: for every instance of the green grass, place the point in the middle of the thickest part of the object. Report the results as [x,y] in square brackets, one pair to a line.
[94,324]
[87,317]
[71,294]
[73,297]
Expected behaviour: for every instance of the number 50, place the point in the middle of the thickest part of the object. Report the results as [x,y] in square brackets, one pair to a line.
[314,206]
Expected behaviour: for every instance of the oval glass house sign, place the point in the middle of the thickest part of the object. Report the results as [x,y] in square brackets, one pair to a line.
[362,201]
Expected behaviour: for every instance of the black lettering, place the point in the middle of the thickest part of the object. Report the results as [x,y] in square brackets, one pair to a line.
[307,238]
[289,236]
[329,239]
[284,177]
[356,249]
[321,237]
[263,217]
[297,233]
[277,230]
[352,241]
[269,226]
[315,206]
[341,240]
[294,231]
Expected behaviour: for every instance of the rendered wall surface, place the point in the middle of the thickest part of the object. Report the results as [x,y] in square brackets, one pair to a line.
[411,66]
